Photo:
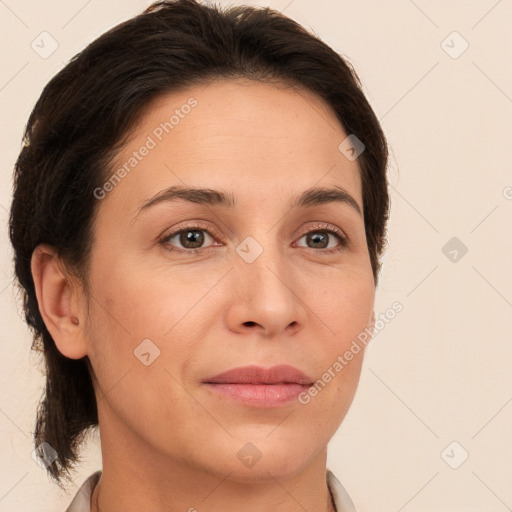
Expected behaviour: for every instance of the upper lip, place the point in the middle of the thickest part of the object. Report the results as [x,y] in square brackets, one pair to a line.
[279,374]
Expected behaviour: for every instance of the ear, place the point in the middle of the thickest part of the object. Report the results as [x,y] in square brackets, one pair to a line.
[58,302]
[371,327]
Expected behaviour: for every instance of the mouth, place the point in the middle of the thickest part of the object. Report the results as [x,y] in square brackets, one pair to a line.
[260,387]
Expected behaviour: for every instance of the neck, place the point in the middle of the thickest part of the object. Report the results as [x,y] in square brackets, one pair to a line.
[135,477]
[110,495]
[96,507]
[130,485]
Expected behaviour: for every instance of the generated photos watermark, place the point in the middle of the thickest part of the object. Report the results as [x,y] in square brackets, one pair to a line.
[343,360]
[152,140]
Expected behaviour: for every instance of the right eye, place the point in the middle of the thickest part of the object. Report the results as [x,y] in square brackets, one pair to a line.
[190,237]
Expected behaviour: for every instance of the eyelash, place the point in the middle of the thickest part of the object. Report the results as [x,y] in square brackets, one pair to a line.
[199,226]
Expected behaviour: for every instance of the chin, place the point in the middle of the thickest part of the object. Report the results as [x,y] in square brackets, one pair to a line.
[264,457]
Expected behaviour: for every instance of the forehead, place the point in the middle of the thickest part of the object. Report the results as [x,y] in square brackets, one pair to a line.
[253,138]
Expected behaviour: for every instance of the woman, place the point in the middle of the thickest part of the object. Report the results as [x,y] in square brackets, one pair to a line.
[199,211]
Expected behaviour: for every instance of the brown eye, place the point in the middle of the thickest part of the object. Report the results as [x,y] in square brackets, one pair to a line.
[193,237]
[188,239]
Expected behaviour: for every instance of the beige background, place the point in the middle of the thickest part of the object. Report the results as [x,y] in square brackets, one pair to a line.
[441,370]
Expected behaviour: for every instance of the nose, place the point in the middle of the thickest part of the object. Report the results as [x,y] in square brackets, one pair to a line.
[268,296]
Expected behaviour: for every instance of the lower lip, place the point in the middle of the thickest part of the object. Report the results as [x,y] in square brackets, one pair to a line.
[259,395]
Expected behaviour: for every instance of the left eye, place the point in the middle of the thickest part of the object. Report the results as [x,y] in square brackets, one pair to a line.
[322,238]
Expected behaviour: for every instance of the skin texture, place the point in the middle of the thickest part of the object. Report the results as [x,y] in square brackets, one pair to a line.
[168,442]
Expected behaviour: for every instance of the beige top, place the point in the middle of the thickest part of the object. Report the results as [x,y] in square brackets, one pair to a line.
[82,500]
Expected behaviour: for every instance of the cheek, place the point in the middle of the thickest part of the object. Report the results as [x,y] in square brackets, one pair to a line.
[137,299]
[137,310]
[344,305]
[343,308]
[138,345]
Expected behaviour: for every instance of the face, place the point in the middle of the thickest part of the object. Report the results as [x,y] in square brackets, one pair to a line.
[186,286]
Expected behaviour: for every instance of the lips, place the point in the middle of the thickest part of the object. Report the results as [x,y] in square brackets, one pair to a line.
[254,386]
[280,374]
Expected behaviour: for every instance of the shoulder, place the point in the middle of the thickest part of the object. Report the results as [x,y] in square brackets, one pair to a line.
[82,499]
[342,500]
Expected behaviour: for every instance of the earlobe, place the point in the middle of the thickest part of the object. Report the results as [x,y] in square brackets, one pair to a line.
[56,298]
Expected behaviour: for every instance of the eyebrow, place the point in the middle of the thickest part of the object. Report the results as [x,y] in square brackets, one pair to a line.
[205,196]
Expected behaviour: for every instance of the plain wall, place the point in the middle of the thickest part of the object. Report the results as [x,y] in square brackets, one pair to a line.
[440,371]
